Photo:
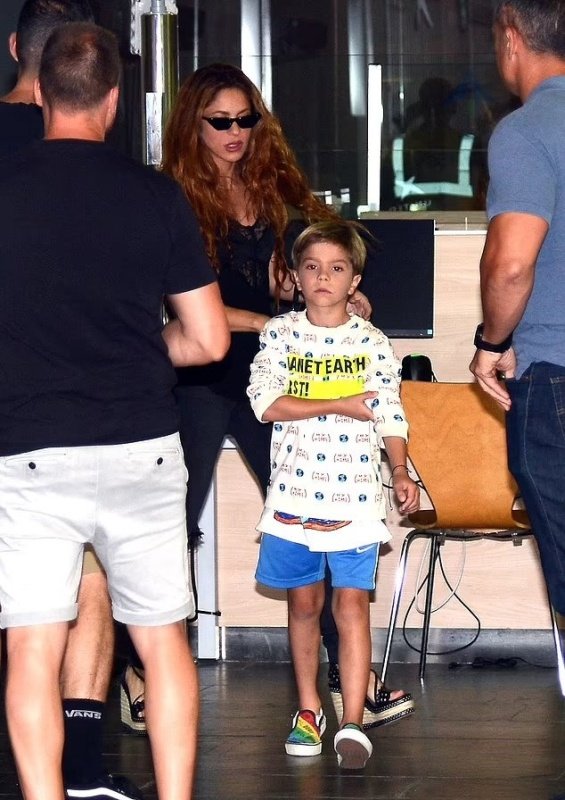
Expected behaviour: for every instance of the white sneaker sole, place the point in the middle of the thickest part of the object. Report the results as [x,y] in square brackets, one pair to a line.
[303,749]
[101,792]
[353,748]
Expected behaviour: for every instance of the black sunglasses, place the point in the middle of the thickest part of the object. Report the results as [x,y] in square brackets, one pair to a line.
[225,123]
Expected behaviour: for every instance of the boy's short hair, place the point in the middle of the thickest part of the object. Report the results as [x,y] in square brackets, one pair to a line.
[341,232]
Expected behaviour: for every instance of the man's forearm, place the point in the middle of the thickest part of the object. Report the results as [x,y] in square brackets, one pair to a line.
[189,352]
[199,334]
[506,285]
[504,301]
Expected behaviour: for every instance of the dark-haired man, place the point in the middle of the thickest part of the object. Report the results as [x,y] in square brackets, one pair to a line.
[20,118]
[523,270]
[88,423]
[87,665]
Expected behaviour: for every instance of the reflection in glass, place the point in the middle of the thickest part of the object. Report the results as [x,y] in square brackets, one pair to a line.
[315,58]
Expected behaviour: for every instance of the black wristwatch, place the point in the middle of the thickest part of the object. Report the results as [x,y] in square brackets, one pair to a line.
[481,344]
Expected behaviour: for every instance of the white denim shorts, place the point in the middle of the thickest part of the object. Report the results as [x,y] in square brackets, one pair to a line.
[127,500]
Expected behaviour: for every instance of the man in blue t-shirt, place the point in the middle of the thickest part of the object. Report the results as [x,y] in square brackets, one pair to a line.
[89,447]
[522,339]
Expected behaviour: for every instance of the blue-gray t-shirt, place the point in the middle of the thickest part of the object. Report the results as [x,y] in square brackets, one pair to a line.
[527,175]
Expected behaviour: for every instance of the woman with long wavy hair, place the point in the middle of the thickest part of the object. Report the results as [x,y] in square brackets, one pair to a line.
[242,172]
[229,154]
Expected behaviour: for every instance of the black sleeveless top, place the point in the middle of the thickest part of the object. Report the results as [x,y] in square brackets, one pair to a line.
[243,278]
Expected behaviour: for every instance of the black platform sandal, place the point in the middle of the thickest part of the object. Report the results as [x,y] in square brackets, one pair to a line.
[379,710]
[132,711]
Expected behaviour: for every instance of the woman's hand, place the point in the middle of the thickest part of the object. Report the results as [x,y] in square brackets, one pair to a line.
[242,321]
[359,304]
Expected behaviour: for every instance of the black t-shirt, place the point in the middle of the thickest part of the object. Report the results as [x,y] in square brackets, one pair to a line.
[90,241]
[20,125]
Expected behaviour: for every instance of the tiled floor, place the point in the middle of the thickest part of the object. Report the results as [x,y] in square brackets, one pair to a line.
[488,734]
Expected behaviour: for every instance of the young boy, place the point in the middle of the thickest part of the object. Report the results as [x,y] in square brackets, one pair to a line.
[330,384]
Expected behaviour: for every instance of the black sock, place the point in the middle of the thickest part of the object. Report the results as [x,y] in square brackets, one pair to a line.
[82,754]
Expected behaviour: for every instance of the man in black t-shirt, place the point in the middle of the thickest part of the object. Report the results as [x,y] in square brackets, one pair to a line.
[88,661]
[21,121]
[89,449]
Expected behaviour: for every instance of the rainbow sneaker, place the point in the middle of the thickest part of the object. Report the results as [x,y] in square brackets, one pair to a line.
[305,738]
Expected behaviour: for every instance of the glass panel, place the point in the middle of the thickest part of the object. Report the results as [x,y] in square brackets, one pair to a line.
[441,92]
[212,28]
[312,95]
[441,99]
[436,126]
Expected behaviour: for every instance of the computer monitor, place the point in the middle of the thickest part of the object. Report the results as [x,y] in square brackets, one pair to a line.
[399,280]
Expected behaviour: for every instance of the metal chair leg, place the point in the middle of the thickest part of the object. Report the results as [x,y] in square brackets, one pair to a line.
[398,586]
[434,552]
[435,544]
[558,649]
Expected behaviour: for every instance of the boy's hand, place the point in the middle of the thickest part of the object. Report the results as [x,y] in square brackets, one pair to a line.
[406,492]
[356,406]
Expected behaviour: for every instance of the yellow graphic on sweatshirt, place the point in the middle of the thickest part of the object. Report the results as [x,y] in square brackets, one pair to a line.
[326,378]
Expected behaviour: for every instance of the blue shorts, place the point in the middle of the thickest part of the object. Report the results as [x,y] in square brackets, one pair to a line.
[287,565]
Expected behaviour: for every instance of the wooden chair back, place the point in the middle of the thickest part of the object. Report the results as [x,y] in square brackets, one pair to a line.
[457,445]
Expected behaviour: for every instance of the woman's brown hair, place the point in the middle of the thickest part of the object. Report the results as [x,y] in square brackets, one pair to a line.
[268,169]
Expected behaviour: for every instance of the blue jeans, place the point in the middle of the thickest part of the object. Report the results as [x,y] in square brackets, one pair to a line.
[535,428]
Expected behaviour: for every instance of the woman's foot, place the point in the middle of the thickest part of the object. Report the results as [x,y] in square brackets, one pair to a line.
[132,699]
[382,705]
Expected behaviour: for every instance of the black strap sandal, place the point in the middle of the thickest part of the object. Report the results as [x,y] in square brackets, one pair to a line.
[132,710]
[380,709]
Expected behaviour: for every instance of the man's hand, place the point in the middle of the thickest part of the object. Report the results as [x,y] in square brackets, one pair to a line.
[490,368]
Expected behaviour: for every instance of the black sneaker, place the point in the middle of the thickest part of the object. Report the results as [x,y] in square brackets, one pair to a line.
[115,787]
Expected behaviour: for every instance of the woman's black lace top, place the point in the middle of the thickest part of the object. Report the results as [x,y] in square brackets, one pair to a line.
[244,283]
